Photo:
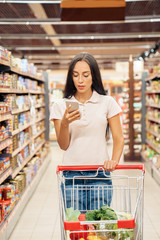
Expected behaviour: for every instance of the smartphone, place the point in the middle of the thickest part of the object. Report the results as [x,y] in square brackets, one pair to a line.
[74,105]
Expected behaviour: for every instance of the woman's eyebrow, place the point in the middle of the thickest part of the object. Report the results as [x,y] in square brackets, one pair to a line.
[83,72]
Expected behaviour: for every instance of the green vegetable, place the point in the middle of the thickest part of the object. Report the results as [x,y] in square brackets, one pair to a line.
[107,213]
[104,213]
[92,215]
[72,215]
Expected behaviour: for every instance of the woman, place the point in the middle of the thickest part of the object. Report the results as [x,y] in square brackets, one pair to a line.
[81,133]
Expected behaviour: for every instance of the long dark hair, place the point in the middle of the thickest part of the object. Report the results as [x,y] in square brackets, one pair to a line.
[97,85]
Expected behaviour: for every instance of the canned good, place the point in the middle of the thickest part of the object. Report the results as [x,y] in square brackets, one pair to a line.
[6,193]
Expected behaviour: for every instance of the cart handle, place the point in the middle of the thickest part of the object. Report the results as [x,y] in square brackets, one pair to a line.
[95,167]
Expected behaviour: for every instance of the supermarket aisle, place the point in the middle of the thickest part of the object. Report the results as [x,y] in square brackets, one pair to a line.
[40,219]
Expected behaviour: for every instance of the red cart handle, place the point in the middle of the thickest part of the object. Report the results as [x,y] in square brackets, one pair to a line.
[95,167]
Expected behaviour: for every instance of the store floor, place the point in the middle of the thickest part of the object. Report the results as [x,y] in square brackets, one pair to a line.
[40,218]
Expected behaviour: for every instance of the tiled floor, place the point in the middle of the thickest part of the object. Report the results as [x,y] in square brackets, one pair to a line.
[40,218]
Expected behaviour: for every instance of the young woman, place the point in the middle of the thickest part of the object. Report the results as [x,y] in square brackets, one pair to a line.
[81,133]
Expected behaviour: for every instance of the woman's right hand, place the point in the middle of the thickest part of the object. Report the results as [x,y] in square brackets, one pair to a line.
[69,117]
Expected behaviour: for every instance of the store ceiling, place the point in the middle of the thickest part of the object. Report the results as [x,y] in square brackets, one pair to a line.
[34,30]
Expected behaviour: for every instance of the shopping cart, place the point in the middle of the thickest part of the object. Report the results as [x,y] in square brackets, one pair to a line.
[126,202]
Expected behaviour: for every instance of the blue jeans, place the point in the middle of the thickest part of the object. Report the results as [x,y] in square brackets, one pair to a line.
[84,191]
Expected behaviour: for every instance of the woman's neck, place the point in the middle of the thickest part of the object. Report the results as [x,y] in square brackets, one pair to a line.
[83,97]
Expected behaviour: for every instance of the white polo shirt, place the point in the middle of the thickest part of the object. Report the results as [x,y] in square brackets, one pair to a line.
[87,135]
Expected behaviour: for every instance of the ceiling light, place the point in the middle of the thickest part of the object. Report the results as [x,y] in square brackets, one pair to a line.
[140,58]
[152,50]
[146,53]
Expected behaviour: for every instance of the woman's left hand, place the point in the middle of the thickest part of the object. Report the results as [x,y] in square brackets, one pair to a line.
[110,165]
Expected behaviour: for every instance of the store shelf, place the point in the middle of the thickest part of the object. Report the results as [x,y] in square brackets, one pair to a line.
[5,175]
[153,119]
[126,90]
[132,98]
[153,132]
[16,111]
[148,162]
[19,91]
[8,90]
[137,89]
[125,131]
[153,77]
[137,131]
[40,105]
[137,110]
[134,157]
[15,70]
[137,80]
[39,119]
[5,116]
[126,121]
[137,100]
[36,92]
[153,146]
[138,120]
[5,63]
[21,129]
[52,137]
[20,148]
[25,74]
[35,141]
[152,91]
[8,225]
[126,111]
[16,171]
[153,105]
[152,169]
[144,157]
[26,126]
[156,173]
[135,142]
[39,133]
[5,143]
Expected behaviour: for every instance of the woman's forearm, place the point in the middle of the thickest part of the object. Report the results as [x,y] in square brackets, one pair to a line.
[64,138]
[118,144]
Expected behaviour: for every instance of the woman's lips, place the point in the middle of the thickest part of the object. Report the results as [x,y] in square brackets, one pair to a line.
[80,87]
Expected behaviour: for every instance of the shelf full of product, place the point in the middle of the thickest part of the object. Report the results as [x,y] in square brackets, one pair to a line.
[55,93]
[23,148]
[132,119]
[151,150]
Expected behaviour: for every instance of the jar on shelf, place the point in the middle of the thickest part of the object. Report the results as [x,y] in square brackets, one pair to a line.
[6,193]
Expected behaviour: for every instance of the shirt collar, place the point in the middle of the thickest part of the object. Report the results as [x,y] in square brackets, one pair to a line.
[93,99]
